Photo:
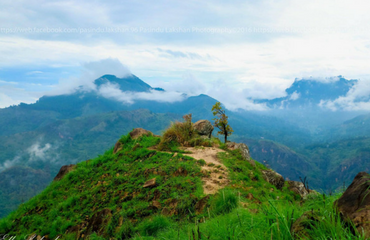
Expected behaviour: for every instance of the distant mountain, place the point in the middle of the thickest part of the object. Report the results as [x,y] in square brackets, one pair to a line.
[301,105]
[128,83]
[353,128]
[305,93]
[339,161]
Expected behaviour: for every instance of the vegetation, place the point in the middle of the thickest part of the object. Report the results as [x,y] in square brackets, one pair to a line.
[183,134]
[221,122]
[113,184]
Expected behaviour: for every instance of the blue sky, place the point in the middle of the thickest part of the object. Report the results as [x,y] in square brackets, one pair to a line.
[254,49]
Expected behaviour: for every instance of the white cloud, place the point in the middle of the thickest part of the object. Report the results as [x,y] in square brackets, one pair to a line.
[265,46]
[294,96]
[357,99]
[37,152]
[10,163]
[109,90]
[89,73]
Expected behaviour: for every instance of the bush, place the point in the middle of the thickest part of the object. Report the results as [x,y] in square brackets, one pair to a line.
[179,133]
[225,202]
[151,227]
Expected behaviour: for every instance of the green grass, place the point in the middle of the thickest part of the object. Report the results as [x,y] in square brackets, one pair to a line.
[272,221]
[248,208]
[113,181]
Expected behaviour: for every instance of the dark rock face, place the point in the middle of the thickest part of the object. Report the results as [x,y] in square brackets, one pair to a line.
[298,188]
[354,204]
[203,128]
[274,178]
[63,171]
[138,132]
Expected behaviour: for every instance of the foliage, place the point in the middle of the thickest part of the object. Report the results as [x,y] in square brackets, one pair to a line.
[226,201]
[150,227]
[178,134]
[221,122]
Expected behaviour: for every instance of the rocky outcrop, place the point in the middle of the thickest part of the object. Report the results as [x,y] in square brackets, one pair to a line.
[274,178]
[244,150]
[63,171]
[354,204]
[203,128]
[298,188]
[117,147]
[138,132]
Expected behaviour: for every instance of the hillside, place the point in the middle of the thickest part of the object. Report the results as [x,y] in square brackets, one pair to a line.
[113,199]
[46,149]
[134,191]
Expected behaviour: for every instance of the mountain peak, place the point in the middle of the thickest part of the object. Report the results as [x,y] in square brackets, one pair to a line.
[128,83]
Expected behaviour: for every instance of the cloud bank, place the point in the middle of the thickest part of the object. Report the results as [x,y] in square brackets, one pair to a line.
[357,99]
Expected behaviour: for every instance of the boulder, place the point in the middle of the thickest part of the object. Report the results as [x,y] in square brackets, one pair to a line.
[203,128]
[150,183]
[63,171]
[274,178]
[298,188]
[354,204]
[138,132]
[117,147]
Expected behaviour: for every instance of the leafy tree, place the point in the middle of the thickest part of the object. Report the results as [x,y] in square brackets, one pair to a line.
[221,121]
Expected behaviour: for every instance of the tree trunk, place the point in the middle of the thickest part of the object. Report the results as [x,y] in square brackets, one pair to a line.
[225,138]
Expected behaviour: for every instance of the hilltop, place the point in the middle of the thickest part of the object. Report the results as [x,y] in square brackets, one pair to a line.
[133,187]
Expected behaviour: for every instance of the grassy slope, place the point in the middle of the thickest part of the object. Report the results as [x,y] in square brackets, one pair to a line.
[115,181]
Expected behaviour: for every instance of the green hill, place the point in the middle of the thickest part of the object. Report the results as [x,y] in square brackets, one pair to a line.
[113,185]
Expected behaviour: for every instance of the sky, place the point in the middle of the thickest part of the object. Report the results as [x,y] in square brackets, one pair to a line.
[233,52]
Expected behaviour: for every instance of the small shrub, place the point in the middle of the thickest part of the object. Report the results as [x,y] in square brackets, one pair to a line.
[179,133]
[151,227]
[201,162]
[225,202]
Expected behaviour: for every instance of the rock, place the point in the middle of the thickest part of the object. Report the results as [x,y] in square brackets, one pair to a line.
[156,204]
[203,128]
[201,204]
[274,178]
[298,188]
[307,221]
[63,171]
[354,204]
[138,132]
[117,147]
[98,222]
[243,149]
[150,183]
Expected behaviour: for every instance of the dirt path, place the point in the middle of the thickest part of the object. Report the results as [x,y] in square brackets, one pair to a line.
[217,172]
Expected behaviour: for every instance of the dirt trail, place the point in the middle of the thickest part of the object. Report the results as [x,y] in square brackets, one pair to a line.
[218,177]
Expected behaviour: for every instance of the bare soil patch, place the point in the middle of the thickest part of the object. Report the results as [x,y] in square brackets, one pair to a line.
[217,175]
